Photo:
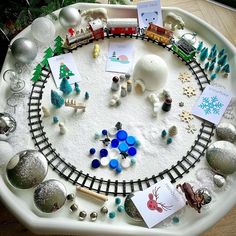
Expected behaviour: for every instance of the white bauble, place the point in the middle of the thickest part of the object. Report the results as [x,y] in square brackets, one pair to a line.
[150,71]
[6,152]
[69,17]
[43,30]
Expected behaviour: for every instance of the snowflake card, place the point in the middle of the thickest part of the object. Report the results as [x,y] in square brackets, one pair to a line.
[63,66]
[158,202]
[149,12]
[120,57]
[212,104]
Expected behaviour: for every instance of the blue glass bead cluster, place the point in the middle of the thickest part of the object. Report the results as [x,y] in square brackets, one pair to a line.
[120,208]
[124,143]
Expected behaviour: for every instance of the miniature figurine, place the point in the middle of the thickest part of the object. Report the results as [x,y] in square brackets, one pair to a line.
[62,128]
[173,131]
[129,85]
[175,21]
[155,102]
[86,96]
[46,112]
[115,86]
[167,104]
[94,13]
[123,91]
[194,200]
[77,88]
[96,51]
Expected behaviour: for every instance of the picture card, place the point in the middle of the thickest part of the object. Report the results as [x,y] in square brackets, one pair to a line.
[158,202]
[64,66]
[149,12]
[212,104]
[120,57]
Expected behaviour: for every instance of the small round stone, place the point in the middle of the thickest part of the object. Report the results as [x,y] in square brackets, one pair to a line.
[125,163]
[74,207]
[92,151]
[118,169]
[112,215]
[121,135]
[104,161]
[114,143]
[120,209]
[169,140]
[175,220]
[219,180]
[131,140]
[104,132]
[117,200]
[132,151]
[103,152]
[113,163]
[82,215]
[123,147]
[104,210]
[95,163]
[70,197]
[93,216]
[133,161]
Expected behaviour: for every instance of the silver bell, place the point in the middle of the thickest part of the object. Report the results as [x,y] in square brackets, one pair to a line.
[7,124]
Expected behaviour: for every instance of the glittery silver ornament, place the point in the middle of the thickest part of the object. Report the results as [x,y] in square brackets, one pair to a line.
[221,156]
[74,207]
[226,131]
[219,180]
[104,210]
[82,215]
[27,169]
[70,197]
[50,196]
[69,17]
[24,50]
[131,209]
[206,194]
[7,125]
[93,216]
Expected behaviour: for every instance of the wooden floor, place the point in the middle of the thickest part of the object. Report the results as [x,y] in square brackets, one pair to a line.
[223,20]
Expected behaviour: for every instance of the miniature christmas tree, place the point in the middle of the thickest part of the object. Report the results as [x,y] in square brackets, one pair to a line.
[226,68]
[204,54]
[222,60]
[213,48]
[64,71]
[212,66]
[218,68]
[86,96]
[77,88]
[37,73]
[65,87]
[214,54]
[58,45]
[213,76]
[56,99]
[207,65]
[48,53]
[210,55]
[199,47]
[221,53]
[214,60]
[114,54]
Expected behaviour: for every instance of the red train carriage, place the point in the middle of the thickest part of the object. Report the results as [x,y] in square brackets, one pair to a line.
[122,25]
[96,27]
[158,33]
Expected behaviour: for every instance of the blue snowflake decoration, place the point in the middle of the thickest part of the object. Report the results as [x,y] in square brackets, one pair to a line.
[211,105]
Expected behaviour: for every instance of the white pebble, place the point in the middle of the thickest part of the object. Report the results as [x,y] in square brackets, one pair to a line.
[104,161]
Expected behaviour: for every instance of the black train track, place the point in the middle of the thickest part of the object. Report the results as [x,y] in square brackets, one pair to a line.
[107,186]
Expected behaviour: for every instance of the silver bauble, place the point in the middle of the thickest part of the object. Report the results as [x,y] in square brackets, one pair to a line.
[50,196]
[43,30]
[219,180]
[24,50]
[69,17]
[7,125]
[221,156]
[226,131]
[27,169]
[206,194]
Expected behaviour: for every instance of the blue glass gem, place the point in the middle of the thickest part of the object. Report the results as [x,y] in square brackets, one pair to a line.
[121,135]
[113,163]
[123,147]
[92,151]
[95,163]
[169,140]
[118,169]
[120,209]
[55,119]
[117,201]
[103,152]
[163,133]
[175,220]
[131,140]
[132,151]
[112,215]
[104,132]
[114,143]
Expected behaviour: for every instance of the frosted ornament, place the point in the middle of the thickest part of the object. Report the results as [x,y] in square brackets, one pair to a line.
[150,73]
[69,17]
[43,30]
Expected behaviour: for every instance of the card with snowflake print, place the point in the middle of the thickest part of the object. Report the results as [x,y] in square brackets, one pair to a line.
[212,104]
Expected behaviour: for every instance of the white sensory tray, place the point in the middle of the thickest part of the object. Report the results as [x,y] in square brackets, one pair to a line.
[63,222]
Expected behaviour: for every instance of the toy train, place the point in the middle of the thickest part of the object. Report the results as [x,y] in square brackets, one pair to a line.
[128,26]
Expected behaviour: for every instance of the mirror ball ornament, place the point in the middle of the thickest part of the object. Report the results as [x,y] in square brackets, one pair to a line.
[27,169]
[69,17]
[221,156]
[24,50]
[43,30]
[7,125]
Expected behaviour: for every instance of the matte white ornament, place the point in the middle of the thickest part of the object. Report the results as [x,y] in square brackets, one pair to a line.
[155,103]
[69,17]
[43,30]
[150,73]
[62,128]
[45,111]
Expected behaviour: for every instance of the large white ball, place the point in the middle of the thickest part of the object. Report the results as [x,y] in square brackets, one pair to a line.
[43,30]
[6,152]
[151,71]
[69,17]
[24,50]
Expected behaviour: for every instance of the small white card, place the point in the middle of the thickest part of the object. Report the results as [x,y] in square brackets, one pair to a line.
[212,104]
[149,12]
[120,57]
[64,66]
[158,202]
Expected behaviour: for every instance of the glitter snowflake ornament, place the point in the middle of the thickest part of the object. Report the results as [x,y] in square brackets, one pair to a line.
[211,105]
[191,129]
[185,116]
[189,91]
[185,76]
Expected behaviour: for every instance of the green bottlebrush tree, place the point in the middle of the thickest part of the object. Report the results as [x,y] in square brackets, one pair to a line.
[65,86]
[56,99]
